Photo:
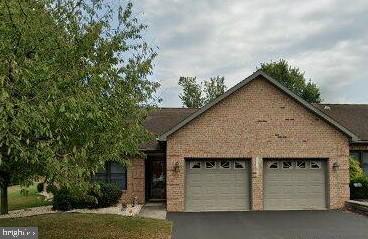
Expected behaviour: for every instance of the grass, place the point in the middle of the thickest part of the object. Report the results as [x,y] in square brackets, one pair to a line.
[75,225]
[18,201]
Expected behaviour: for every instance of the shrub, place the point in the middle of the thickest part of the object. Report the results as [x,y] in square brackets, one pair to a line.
[355,169]
[63,200]
[359,188]
[51,188]
[68,199]
[108,195]
[40,187]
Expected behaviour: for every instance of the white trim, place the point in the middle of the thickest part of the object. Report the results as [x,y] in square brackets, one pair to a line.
[319,163]
[241,162]
[225,161]
[301,161]
[287,161]
[192,163]
[210,161]
[270,163]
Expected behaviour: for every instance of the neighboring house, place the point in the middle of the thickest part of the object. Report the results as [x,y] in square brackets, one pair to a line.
[256,147]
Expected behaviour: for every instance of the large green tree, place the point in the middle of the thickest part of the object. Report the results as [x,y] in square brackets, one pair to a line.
[73,89]
[196,94]
[214,87]
[293,78]
[191,96]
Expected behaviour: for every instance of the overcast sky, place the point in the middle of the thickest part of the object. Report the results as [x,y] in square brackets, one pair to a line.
[328,39]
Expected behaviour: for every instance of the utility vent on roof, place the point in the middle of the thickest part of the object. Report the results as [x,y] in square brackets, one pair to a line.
[327,107]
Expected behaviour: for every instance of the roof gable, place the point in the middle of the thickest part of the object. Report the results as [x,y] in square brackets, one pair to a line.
[245,82]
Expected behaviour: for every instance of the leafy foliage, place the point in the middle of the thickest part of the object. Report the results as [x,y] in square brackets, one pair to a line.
[214,88]
[108,195]
[355,169]
[293,79]
[73,88]
[98,196]
[193,91]
[359,188]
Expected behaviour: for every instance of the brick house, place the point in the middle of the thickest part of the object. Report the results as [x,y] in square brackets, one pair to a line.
[256,147]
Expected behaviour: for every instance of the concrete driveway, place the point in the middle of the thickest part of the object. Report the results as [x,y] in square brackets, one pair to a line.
[269,224]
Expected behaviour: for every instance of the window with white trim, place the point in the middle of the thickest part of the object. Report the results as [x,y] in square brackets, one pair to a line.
[195,164]
[315,164]
[239,164]
[225,164]
[210,164]
[300,164]
[273,165]
[287,164]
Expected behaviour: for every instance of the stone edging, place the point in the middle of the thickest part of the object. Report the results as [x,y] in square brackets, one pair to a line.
[357,206]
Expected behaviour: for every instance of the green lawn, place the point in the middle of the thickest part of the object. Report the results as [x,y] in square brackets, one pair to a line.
[18,201]
[75,225]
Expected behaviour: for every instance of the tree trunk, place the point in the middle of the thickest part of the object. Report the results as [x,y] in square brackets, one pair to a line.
[4,199]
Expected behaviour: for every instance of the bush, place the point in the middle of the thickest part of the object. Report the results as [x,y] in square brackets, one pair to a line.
[355,169]
[40,187]
[51,188]
[67,199]
[108,195]
[63,200]
[359,188]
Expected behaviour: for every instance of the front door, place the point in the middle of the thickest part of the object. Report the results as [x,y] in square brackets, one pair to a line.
[157,179]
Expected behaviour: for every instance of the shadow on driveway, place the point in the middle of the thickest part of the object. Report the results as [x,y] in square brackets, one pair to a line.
[269,224]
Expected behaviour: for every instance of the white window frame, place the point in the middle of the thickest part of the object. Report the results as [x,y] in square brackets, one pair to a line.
[282,164]
[319,163]
[225,161]
[302,161]
[241,162]
[271,163]
[192,163]
[214,164]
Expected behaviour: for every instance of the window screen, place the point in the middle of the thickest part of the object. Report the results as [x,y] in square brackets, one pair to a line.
[113,173]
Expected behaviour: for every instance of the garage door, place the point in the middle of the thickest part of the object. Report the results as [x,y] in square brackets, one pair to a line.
[294,184]
[221,185]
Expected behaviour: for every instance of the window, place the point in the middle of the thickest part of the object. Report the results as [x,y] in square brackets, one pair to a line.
[300,164]
[210,164]
[239,164]
[195,164]
[273,165]
[365,162]
[112,173]
[225,164]
[287,164]
[315,164]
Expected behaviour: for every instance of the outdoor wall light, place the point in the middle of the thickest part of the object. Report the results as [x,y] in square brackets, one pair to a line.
[335,165]
[177,167]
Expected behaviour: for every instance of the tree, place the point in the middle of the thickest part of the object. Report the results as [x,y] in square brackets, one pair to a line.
[192,92]
[214,87]
[293,79]
[74,89]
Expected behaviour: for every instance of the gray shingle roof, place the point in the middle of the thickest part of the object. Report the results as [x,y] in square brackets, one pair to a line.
[351,116]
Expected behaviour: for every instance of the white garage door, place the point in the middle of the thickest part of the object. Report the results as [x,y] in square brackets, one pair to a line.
[217,185]
[294,184]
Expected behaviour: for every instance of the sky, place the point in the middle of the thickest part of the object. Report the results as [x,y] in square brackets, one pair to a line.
[327,39]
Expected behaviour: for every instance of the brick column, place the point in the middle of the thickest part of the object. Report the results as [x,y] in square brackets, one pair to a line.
[256,186]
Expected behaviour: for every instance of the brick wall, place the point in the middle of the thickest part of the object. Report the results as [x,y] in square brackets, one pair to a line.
[258,121]
[135,181]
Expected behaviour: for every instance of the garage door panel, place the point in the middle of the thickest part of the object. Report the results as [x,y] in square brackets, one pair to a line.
[294,188]
[217,189]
